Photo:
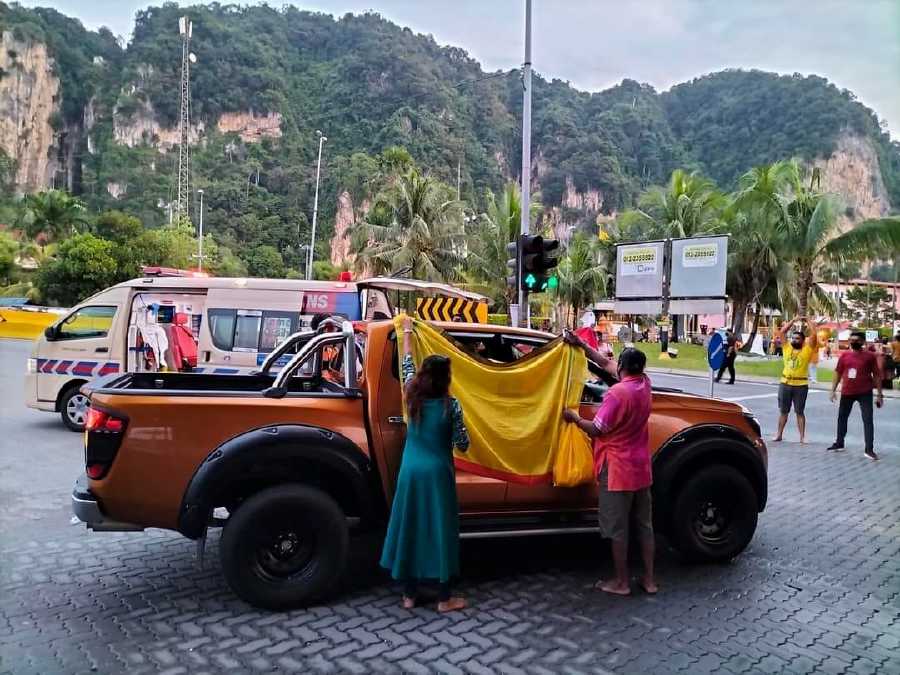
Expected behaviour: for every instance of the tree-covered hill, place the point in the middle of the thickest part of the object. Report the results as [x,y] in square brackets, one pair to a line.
[735,119]
[369,85]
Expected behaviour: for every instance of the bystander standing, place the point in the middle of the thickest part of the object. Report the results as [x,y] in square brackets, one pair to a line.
[858,374]
[794,386]
[730,357]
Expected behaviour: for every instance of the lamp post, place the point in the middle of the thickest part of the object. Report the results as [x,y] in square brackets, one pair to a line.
[524,225]
[304,248]
[312,241]
[200,239]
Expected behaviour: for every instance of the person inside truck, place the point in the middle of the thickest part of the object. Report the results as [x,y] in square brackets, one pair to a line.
[422,540]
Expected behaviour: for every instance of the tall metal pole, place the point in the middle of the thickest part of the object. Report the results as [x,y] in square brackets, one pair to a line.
[667,276]
[185,28]
[200,239]
[894,304]
[312,242]
[526,148]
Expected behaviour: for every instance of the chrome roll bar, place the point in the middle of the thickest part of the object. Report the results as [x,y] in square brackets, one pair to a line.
[345,337]
[293,339]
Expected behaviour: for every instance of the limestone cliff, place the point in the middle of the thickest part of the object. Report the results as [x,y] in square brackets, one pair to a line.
[852,172]
[576,207]
[142,127]
[28,105]
[251,126]
[345,218]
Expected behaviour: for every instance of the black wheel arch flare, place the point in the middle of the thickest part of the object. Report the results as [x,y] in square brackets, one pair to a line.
[278,454]
[702,445]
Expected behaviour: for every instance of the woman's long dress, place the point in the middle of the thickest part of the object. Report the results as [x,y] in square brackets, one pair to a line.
[422,540]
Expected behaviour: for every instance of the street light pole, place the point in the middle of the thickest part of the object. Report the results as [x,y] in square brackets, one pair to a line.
[526,148]
[312,242]
[200,240]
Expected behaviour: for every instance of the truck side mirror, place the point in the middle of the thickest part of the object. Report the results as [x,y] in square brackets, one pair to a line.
[50,333]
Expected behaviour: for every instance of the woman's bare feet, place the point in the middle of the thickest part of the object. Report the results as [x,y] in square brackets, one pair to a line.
[408,603]
[451,605]
[613,586]
[649,586]
[777,439]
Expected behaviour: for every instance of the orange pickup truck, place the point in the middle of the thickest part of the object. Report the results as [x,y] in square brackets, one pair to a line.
[290,463]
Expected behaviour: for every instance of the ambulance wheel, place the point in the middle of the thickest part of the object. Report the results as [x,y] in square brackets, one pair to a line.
[73,408]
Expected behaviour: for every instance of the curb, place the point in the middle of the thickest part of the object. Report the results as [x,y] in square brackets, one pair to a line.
[754,379]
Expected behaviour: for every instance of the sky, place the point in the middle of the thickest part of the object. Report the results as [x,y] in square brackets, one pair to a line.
[594,44]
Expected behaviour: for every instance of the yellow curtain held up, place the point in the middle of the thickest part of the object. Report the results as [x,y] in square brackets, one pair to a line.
[514,411]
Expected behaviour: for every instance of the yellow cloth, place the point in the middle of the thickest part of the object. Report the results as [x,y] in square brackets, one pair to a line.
[513,412]
[574,464]
[796,365]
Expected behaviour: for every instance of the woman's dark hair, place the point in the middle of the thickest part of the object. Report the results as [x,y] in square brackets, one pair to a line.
[432,381]
[632,361]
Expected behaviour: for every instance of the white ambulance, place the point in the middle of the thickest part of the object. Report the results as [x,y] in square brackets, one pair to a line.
[192,324]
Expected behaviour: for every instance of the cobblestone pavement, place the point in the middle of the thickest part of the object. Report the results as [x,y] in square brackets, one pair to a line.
[818,589]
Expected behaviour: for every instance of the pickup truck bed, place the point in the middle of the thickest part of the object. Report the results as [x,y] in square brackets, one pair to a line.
[194,383]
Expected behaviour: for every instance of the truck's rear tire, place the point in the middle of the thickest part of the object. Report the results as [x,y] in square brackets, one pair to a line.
[715,514]
[284,547]
[73,407]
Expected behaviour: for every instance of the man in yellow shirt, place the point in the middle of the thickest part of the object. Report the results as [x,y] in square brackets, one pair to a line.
[794,387]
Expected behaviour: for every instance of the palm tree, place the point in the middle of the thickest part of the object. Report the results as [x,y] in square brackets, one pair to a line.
[414,228]
[811,238]
[756,220]
[582,275]
[54,215]
[690,205]
[490,235]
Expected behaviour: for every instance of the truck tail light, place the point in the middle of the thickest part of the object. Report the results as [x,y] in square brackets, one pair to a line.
[99,420]
[103,432]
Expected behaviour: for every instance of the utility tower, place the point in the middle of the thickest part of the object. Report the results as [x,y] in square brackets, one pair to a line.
[182,200]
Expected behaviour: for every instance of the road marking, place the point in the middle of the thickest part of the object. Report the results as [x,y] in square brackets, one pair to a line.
[747,398]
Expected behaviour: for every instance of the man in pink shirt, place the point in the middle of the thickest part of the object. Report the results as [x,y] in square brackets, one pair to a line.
[622,462]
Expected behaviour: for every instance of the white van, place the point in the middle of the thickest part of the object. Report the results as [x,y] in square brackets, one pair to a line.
[192,324]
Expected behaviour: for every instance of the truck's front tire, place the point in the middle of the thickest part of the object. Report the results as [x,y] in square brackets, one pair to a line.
[284,547]
[715,514]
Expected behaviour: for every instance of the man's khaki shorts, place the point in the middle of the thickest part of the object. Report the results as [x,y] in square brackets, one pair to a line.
[617,511]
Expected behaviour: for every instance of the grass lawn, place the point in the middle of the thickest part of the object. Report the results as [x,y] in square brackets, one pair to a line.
[693,357]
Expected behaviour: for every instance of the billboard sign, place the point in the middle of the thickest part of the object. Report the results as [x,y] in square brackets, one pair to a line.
[639,270]
[699,266]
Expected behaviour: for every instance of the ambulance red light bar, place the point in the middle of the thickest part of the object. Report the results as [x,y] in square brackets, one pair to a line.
[156,271]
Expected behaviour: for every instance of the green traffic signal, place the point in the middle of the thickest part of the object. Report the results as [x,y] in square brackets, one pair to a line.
[553,283]
[530,281]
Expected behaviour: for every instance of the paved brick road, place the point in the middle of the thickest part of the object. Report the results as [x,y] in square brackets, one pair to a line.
[818,590]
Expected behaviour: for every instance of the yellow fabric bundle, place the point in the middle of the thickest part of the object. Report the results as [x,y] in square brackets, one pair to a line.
[514,411]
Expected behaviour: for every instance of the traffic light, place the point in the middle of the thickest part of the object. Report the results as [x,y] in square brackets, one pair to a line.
[512,264]
[538,259]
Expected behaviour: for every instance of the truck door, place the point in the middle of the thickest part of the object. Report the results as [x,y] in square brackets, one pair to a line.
[476,493]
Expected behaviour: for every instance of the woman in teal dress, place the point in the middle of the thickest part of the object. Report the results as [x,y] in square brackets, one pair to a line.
[422,542]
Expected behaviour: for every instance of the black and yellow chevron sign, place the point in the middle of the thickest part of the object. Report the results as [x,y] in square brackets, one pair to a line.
[446,309]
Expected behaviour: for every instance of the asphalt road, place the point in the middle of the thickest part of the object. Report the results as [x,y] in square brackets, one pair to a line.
[818,590]
[821,413]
